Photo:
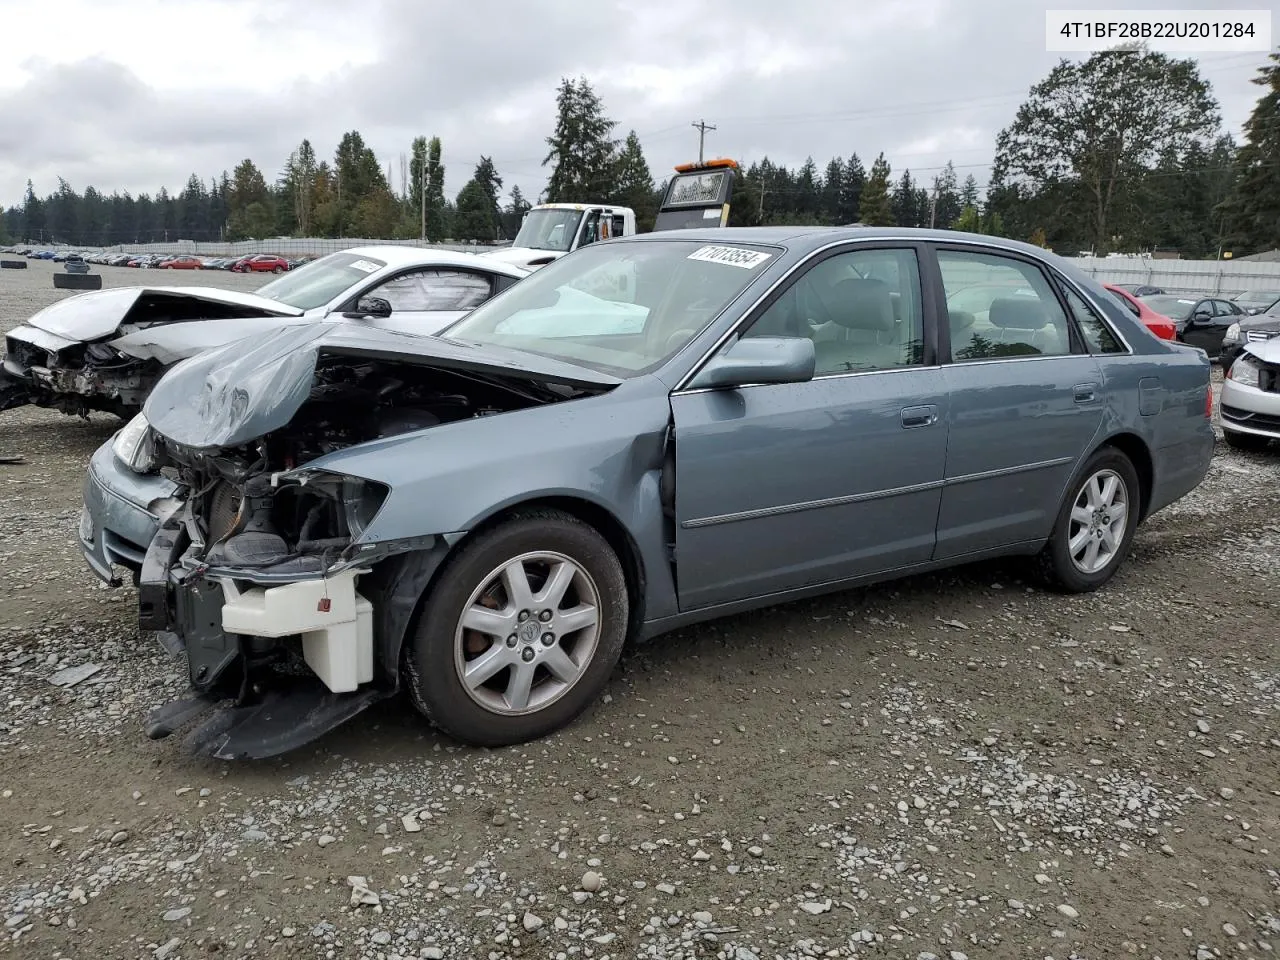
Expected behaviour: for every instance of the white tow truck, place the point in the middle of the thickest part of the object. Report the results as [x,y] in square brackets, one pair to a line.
[697,196]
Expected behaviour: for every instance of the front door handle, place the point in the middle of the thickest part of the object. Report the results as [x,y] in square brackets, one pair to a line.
[1085,392]
[921,416]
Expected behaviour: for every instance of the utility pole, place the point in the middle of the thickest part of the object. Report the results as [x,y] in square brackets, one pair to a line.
[702,127]
[422,196]
[762,200]
[933,207]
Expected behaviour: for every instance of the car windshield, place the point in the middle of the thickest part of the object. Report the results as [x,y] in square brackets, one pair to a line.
[619,308]
[1258,296]
[318,282]
[548,229]
[1175,308]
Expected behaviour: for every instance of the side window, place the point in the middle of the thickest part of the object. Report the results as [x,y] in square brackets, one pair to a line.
[1096,333]
[404,293]
[861,309]
[426,290]
[455,289]
[1126,303]
[1001,307]
[1223,309]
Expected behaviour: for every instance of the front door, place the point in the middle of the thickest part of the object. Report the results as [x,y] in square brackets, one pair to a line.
[1026,402]
[784,486]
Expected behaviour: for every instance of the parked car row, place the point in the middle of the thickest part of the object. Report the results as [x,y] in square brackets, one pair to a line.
[252,263]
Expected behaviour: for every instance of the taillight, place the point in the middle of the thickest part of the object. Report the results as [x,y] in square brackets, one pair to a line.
[1208,400]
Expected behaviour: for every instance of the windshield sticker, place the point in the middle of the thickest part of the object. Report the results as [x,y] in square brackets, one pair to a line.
[364,266]
[712,214]
[732,256]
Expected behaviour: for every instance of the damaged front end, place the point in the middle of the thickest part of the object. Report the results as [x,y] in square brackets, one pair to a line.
[74,378]
[265,578]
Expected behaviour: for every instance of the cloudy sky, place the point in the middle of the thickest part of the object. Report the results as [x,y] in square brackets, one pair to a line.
[135,94]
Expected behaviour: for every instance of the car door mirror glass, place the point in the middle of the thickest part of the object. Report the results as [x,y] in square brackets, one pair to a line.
[370,307]
[760,360]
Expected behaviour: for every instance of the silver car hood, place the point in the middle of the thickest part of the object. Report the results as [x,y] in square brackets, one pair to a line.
[92,316]
[232,395]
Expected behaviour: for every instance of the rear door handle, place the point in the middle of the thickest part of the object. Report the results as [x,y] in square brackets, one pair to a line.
[921,416]
[1085,392]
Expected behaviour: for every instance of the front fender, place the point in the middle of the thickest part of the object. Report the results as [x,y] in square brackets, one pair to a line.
[606,451]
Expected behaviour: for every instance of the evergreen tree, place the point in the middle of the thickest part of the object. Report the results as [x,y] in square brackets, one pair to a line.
[476,218]
[946,198]
[806,201]
[248,204]
[832,192]
[1253,210]
[582,149]
[906,207]
[969,193]
[437,215]
[851,182]
[634,183]
[487,176]
[875,208]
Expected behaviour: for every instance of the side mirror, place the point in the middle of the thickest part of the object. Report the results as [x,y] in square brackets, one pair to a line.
[760,360]
[367,307]
[1202,315]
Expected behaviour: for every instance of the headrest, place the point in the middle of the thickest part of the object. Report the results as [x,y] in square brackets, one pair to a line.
[858,304]
[1018,313]
[961,320]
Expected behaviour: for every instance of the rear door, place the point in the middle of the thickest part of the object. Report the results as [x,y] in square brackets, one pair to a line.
[1026,402]
[785,486]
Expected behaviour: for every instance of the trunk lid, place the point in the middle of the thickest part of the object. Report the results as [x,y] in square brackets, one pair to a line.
[92,316]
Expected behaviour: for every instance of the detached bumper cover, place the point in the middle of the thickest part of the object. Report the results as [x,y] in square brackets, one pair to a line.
[117,523]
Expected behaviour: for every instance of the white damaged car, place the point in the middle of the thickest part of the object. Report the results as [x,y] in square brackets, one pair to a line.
[106,349]
[1250,403]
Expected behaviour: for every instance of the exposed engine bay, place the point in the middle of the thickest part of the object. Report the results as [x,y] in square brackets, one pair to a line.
[81,378]
[244,514]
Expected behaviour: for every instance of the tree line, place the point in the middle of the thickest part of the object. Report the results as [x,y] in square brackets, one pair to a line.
[1122,151]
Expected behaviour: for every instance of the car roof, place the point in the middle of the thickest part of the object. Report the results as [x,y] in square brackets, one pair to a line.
[807,239]
[397,255]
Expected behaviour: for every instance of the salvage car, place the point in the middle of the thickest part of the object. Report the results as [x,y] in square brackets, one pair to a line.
[1201,321]
[105,350]
[1157,323]
[330,514]
[1253,329]
[1250,402]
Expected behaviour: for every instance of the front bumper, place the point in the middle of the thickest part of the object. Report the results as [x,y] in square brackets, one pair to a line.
[1250,410]
[120,514]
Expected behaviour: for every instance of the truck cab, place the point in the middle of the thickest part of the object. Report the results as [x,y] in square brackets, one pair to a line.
[550,230]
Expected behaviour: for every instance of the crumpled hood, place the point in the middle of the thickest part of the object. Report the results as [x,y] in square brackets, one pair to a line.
[235,394]
[1268,351]
[92,316]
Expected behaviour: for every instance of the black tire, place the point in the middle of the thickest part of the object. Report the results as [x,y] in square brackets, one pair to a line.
[1250,442]
[13,264]
[1055,564]
[277,269]
[77,281]
[430,667]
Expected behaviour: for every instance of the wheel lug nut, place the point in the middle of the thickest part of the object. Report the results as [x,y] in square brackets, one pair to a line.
[524,615]
[511,640]
[544,616]
[526,654]
[548,639]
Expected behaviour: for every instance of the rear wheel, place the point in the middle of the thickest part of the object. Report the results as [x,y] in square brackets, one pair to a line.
[277,269]
[1095,525]
[1245,441]
[521,631]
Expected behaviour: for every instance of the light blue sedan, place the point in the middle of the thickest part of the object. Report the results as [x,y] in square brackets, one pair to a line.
[646,433]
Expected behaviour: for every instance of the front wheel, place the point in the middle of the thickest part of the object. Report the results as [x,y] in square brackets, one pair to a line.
[1095,525]
[277,269]
[521,631]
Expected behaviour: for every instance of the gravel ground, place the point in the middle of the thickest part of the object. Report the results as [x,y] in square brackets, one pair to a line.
[953,766]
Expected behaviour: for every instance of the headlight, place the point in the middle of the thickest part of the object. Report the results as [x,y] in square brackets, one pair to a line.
[361,501]
[1232,335]
[1244,372]
[135,447]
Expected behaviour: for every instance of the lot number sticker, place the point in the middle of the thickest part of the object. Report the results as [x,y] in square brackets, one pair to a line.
[364,266]
[732,256]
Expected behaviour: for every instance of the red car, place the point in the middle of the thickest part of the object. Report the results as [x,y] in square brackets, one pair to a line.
[1157,323]
[181,263]
[261,263]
